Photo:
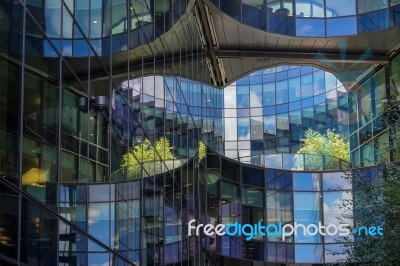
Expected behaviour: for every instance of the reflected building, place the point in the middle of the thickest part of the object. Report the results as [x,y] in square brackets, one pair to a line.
[85,84]
[272,109]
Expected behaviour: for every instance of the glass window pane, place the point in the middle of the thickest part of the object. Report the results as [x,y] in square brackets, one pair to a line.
[341,26]
[310,27]
[282,7]
[309,253]
[307,210]
[270,125]
[282,92]
[337,211]
[338,8]
[306,181]
[371,5]
[335,181]
[230,128]
[310,8]
[243,128]
[256,96]
[269,94]
[243,99]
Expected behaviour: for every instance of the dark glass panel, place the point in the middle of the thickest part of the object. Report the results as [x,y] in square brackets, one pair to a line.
[373,21]
[39,231]
[230,170]
[8,223]
[10,80]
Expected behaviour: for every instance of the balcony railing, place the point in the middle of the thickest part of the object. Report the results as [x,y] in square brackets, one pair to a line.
[298,162]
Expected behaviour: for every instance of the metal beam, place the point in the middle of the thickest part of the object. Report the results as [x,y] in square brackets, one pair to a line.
[303,57]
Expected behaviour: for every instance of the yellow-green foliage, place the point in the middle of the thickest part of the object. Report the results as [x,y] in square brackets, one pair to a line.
[145,152]
[163,150]
[202,150]
[330,145]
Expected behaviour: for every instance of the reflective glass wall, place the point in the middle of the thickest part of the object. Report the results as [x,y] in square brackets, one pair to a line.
[109,26]
[370,101]
[67,120]
[269,111]
[246,194]
[314,18]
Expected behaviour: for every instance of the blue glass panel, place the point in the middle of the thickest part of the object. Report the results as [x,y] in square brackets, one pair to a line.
[243,81]
[282,108]
[307,211]
[281,24]
[281,75]
[341,26]
[232,8]
[309,253]
[48,49]
[373,21]
[294,72]
[269,94]
[253,16]
[307,102]
[395,16]
[243,128]
[256,79]
[81,48]
[340,8]
[310,27]
[269,110]
[294,89]
[295,106]
[371,5]
[282,92]
[256,96]
[336,212]
[269,78]
[306,181]
[319,99]
[243,97]
[310,8]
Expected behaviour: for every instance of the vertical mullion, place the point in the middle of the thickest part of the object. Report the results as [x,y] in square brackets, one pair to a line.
[21,128]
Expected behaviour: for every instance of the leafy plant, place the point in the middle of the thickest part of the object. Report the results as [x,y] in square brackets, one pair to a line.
[143,153]
[202,150]
[376,202]
[322,151]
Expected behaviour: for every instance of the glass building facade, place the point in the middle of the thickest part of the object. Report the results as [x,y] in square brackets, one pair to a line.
[314,18]
[269,111]
[86,84]
[368,102]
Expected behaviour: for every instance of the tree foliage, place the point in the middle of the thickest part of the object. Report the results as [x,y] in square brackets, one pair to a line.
[322,151]
[202,150]
[145,152]
[376,201]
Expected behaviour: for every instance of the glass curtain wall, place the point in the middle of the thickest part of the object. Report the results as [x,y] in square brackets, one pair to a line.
[314,18]
[66,69]
[269,111]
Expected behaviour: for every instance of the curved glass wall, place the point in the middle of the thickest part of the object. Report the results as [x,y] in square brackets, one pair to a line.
[104,26]
[66,198]
[369,101]
[269,111]
[175,109]
[314,18]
